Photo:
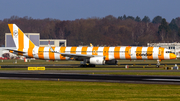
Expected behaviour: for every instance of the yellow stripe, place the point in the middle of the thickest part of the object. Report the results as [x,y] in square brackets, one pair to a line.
[31,45]
[11,29]
[73,50]
[161,53]
[41,52]
[128,52]
[84,50]
[62,50]
[20,39]
[116,52]
[172,56]
[94,50]
[150,53]
[30,54]
[30,50]
[51,54]
[106,53]
[138,53]
[11,51]
[19,53]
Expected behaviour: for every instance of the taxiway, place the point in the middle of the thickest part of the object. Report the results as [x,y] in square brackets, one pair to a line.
[75,76]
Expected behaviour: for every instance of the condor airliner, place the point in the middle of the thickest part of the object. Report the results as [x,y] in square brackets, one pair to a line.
[88,55]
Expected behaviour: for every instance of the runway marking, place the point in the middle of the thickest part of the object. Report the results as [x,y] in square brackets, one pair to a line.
[164,79]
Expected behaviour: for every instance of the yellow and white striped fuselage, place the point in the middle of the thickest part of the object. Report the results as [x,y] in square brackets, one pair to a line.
[91,55]
[109,53]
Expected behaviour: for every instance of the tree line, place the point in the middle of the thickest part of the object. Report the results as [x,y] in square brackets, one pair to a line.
[106,31]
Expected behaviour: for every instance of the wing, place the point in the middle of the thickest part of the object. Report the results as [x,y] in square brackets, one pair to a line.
[70,54]
[74,55]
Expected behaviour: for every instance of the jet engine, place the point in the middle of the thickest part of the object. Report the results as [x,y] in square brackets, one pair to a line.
[97,60]
[111,62]
[101,61]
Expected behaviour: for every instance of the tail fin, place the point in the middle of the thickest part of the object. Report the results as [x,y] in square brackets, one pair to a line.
[20,39]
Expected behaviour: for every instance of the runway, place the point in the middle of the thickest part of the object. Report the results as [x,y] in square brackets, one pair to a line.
[81,71]
[55,76]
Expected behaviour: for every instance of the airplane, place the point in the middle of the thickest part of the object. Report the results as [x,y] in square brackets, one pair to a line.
[88,55]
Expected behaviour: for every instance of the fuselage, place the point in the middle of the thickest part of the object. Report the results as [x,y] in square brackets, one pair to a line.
[109,53]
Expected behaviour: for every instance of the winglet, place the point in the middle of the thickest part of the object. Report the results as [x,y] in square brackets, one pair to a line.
[91,45]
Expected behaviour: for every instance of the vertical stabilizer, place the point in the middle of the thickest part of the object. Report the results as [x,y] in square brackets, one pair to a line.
[20,39]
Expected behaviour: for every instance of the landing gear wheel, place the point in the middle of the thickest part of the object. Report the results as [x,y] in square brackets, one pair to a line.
[157,66]
[92,65]
[158,63]
[85,65]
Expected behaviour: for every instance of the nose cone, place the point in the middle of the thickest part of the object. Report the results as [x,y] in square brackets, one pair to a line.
[172,56]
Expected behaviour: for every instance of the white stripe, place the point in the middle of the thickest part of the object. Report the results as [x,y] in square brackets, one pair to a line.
[144,51]
[89,51]
[26,41]
[35,53]
[155,52]
[133,53]
[78,50]
[111,53]
[56,55]
[26,52]
[100,51]
[122,53]
[46,53]
[15,37]
[166,55]
[68,49]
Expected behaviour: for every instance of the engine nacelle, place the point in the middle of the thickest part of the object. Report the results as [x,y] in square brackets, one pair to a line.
[97,60]
[111,62]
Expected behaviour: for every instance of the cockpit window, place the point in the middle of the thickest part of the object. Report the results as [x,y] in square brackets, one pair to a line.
[168,52]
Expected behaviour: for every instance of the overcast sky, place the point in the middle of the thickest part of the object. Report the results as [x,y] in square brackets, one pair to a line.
[77,9]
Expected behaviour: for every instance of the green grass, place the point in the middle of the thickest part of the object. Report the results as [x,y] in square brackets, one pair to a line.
[29,90]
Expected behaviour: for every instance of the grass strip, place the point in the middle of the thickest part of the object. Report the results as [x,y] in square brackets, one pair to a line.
[29,90]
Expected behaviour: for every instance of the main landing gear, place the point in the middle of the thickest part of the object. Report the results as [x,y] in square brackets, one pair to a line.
[158,63]
[87,65]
